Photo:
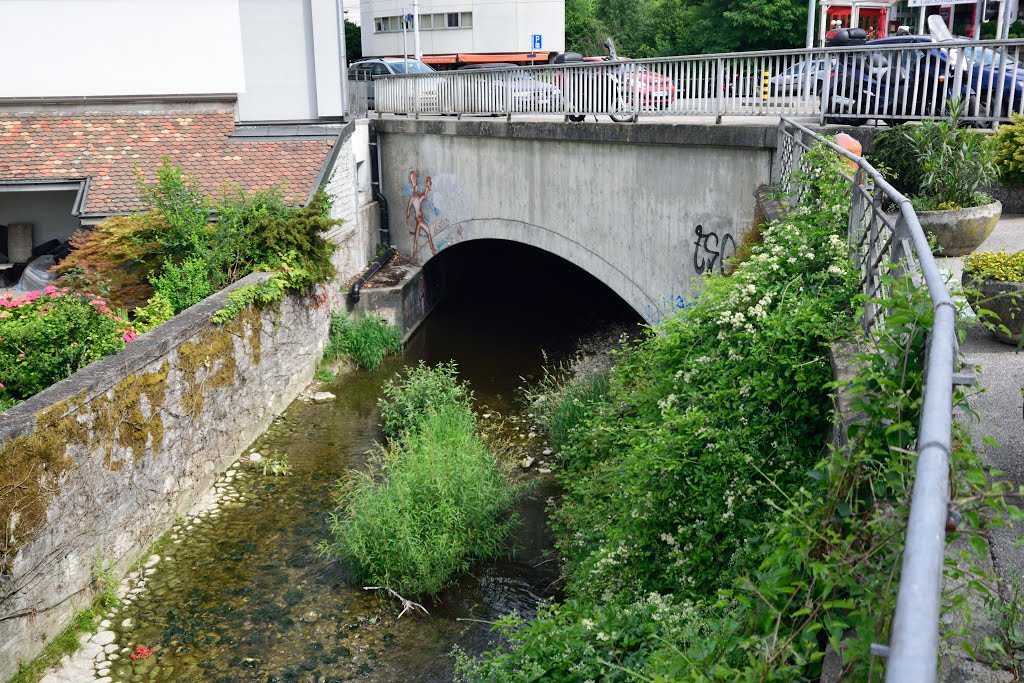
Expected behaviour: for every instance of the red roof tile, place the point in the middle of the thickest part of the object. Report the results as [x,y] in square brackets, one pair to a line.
[108,147]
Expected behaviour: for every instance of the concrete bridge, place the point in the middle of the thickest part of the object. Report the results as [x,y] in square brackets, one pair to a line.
[646,209]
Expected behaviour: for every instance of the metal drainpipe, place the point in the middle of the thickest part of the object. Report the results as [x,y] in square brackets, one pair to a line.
[371,270]
[339,7]
[378,196]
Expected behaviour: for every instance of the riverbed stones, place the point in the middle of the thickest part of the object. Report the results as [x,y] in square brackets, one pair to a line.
[255,457]
[526,462]
[103,638]
[153,559]
[323,397]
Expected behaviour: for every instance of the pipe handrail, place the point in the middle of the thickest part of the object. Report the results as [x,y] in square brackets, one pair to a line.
[914,647]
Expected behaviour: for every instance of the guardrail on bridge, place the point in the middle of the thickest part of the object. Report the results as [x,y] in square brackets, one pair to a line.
[891,82]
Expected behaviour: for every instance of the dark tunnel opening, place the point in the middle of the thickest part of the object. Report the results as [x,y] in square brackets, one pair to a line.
[506,306]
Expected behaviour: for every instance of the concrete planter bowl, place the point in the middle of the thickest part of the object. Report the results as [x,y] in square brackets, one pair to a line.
[1005,300]
[958,232]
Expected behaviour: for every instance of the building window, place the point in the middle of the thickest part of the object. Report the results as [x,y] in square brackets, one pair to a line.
[428,22]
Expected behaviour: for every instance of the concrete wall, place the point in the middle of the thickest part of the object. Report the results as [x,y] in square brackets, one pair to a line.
[645,209]
[498,26]
[116,451]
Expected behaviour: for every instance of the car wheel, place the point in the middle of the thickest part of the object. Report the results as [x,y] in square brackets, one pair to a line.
[621,118]
[983,110]
[577,118]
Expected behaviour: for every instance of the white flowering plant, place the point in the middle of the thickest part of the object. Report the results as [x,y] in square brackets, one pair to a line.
[708,531]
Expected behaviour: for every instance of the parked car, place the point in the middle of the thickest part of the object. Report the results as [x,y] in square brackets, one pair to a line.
[365,69]
[793,78]
[486,87]
[887,85]
[652,89]
[985,66]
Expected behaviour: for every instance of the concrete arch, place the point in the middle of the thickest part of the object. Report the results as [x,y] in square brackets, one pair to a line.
[646,209]
[553,242]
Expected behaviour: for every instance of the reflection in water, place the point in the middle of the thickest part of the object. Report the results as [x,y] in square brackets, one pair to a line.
[244,595]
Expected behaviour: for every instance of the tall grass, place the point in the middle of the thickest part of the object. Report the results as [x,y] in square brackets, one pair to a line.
[564,401]
[438,502]
[366,341]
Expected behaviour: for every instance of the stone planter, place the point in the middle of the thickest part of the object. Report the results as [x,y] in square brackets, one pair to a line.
[1006,302]
[958,232]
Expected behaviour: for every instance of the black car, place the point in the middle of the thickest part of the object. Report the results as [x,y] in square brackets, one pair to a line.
[891,82]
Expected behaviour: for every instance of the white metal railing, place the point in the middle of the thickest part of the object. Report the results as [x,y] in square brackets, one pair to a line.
[892,82]
[878,238]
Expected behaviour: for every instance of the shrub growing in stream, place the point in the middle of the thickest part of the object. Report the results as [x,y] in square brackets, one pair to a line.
[366,341]
[438,503]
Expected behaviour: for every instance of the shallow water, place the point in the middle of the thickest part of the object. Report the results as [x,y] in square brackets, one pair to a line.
[243,594]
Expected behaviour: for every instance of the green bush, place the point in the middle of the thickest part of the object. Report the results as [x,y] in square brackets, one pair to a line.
[185,285]
[186,247]
[442,504]
[418,392]
[894,151]
[1010,151]
[366,341]
[957,164]
[45,336]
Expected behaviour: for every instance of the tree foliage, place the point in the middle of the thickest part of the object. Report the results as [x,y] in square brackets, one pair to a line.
[658,28]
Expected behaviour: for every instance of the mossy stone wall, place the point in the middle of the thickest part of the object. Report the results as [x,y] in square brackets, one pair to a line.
[104,461]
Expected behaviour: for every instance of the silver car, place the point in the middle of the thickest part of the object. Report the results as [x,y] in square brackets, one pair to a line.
[795,77]
[364,70]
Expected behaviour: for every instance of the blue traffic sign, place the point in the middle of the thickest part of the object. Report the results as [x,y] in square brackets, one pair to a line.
[536,41]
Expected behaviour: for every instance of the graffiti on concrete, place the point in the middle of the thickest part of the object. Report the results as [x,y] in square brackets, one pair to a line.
[431,202]
[709,251]
[669,305]
[415,213]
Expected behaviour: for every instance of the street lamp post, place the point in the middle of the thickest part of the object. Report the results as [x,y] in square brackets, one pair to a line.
[416,29]
[811,6]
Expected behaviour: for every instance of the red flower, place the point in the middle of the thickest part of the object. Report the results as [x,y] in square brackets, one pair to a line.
[141,652]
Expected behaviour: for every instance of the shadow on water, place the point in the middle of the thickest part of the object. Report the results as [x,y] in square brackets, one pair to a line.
[243,595]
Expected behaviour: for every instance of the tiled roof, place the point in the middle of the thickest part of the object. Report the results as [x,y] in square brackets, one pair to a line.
[107,148]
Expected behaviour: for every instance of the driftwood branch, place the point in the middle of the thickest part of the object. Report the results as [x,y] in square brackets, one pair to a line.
[407,604]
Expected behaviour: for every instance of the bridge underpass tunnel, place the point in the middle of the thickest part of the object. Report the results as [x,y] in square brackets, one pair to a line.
[504,305]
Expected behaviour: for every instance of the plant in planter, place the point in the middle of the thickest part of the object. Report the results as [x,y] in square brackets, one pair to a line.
[957,165]
[994,286]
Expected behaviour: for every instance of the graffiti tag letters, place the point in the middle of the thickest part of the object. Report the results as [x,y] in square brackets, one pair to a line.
[710,251]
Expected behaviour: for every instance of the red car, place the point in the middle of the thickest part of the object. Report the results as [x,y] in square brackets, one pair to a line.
[655,90]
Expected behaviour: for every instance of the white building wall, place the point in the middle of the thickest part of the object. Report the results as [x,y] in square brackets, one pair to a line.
[58,48]
[498,26]
[281,57]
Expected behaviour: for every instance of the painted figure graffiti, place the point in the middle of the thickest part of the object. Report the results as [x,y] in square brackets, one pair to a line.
[713,252]
[414,213]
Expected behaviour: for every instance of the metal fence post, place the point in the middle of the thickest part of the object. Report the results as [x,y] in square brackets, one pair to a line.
[720,79]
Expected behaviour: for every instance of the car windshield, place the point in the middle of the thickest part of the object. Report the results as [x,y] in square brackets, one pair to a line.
[984,55]
[415,67]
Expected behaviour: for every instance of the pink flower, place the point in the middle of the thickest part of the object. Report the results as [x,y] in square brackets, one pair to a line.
[5,314]
[128,336]
[74,344]
[2,385]
[21,355]
[50,289]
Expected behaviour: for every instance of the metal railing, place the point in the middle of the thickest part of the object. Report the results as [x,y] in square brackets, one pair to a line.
[878,238]
[892,82]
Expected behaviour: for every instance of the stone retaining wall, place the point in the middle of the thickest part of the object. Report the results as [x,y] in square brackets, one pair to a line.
[106,459]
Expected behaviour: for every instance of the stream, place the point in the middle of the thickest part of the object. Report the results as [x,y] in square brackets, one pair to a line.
[241,593]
